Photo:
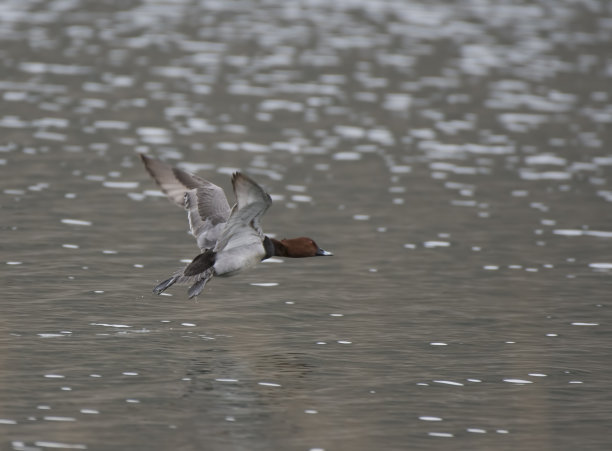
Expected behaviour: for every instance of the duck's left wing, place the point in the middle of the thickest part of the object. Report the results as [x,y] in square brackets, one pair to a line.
[174,182]
[207,216]
[206,204]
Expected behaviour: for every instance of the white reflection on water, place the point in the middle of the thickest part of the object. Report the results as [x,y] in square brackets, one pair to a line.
[444,382]
[405,122]
[440,434]
[58,418]
[576,232]
[518,381]
[269,384]
[80,222]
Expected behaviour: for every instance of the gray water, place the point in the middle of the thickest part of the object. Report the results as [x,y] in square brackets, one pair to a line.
[455,156]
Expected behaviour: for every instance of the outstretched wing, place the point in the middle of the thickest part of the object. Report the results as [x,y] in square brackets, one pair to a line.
[243,227]
[206,204]
[251,199]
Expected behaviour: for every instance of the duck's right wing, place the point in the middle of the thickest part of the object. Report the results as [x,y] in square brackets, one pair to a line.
[206,204]
[243,227]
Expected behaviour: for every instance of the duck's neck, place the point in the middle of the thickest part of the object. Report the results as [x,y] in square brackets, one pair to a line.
[274,248]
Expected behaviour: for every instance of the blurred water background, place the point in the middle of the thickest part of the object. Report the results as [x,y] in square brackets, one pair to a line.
[454,155]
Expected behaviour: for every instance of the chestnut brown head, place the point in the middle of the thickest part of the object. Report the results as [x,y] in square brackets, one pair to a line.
[299,248]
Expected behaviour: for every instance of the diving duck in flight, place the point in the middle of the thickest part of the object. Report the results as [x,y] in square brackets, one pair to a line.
[230,239]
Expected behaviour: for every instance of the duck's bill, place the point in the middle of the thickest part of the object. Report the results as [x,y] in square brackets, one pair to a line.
[323,252]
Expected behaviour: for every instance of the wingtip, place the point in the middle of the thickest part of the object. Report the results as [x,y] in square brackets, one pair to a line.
[236,178]
[236,175]
[239,176]
[147,161]
[149,165]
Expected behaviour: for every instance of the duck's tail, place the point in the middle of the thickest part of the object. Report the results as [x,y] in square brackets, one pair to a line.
[198,272]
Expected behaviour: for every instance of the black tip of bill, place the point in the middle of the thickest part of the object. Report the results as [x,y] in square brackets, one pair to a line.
[323,252]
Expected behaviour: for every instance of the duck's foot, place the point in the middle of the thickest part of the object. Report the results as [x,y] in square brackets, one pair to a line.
[159,289]
[197,287]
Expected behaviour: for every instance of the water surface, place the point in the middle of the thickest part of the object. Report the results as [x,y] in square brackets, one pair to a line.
[455,156]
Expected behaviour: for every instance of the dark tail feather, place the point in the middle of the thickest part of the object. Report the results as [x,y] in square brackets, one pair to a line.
[197,287]
[200,264]
[159,289]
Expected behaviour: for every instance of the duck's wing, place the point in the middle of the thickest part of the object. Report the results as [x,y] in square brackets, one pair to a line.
[206,204]
[174,182]
[251,200]
[207,214]
[243,228]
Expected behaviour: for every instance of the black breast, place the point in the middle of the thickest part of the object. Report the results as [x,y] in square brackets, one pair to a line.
[269,247]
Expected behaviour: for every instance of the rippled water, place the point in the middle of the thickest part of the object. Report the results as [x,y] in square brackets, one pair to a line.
[455,156]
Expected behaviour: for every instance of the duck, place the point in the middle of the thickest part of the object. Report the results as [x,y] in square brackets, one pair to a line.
[230,238]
